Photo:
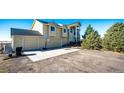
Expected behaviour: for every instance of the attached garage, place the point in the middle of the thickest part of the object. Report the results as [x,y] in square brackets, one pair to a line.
[31,42]
[27,39]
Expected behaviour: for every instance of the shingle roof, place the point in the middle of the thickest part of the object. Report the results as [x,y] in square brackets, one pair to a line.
[48,22]
[75,23]
[42,21]
[16,31]
[57,23]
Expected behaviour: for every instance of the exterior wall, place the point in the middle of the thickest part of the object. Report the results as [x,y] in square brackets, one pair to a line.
[58,33]
[64,34]
[55,41]
[28,42]
[45,29]
[49,39]
[64,41]
[17,41]
[71,36]
[52,33]
[74,37]
[38,26]
[58,40]
[38,42]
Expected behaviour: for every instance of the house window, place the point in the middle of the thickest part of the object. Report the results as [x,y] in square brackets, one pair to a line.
[64,30]
[52,28]
[74,33]
[71,31]
[78,28]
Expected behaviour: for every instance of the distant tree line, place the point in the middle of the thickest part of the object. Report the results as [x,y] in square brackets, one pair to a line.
[113,39]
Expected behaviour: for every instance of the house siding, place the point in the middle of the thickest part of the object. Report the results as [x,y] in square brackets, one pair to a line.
[64,41]
[47,39]
[53,33]
[28,42]
[55,41]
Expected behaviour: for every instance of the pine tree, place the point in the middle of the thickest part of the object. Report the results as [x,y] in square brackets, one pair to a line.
[89,29]
[92,39]
[114,38]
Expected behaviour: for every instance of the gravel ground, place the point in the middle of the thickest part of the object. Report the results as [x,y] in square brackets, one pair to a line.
[82,61]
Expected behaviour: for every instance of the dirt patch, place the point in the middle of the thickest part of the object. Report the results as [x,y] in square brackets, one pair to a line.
[82,61]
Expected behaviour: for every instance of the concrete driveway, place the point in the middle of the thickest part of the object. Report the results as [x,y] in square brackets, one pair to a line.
[41,55]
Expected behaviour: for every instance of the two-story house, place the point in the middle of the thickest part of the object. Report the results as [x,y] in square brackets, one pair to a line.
[45,35]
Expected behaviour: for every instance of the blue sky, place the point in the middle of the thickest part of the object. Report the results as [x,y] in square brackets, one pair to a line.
[101,25]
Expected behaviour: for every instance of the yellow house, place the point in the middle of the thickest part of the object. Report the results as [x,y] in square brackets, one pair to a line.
[45,35]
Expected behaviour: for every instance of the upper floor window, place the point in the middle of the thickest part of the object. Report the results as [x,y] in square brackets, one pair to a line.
[64,30]
[52,28]
[71,31]
[74,33]
[78,27]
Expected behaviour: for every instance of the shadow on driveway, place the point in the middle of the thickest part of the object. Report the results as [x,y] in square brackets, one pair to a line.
[14,56]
